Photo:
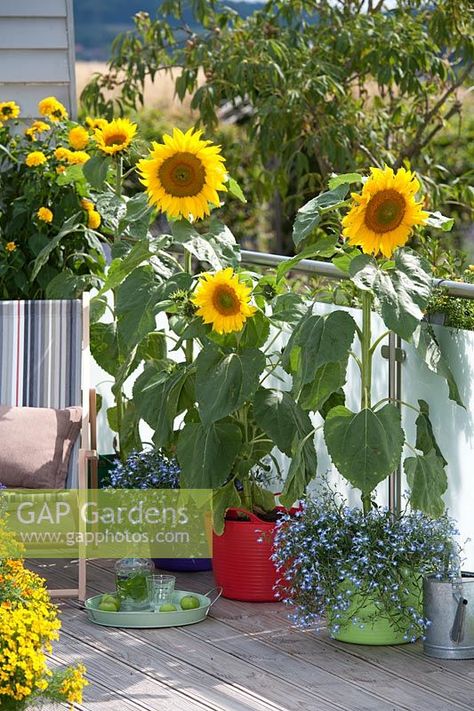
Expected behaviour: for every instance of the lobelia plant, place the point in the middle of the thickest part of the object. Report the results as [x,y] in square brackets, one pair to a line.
[366,446]
[335,560]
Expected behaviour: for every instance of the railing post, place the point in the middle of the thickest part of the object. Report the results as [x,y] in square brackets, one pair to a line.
[395,356]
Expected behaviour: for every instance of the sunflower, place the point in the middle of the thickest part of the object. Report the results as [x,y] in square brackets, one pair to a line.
[77,157]
[35,158]
[385,212]
[223,301]
[93,219]
[35,128]
[115,136]
[10,246]
[183,174]
[93,123]
[78,137]
[9,110]
[52,108]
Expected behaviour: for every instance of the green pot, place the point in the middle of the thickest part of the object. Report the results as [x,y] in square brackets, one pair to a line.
[375,625]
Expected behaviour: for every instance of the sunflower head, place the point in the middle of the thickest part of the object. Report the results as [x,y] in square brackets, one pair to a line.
[385,212]
[44,214]
[53,109]
[183,174]
[93,123]
[223,301]
[36,128]
[116,136]
[8,110]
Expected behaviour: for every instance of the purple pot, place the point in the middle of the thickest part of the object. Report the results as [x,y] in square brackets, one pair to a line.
[184,565]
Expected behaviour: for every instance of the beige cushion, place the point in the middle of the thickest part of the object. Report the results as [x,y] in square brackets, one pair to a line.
[35,445]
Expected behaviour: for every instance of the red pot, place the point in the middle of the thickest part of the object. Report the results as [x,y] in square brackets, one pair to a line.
[241,558]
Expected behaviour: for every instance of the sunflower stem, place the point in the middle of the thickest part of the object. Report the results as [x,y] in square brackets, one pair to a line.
[119,393]
[189,346]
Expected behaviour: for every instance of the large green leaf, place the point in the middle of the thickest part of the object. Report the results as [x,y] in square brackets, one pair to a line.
[67,285]
[318,340]
[217,248]
[224,381]
[70,225]
[104,346]
[425,439]
[95,170]
[283,420]
[207,454]
[427,481]
[225,497]
[309,216]
[156,393]
[402,291]
[122,267]
[428,347]
[365,446]
[329,378]
[302,470]
[135,302]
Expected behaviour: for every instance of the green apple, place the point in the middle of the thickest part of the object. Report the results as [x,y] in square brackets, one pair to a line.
[190,602]
[168,607]
[108,606]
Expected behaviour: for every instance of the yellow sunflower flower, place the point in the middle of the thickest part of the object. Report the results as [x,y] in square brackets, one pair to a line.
[9,110]
[44,214]
[115,136]
[35,158]
[385,212]
[37,127]
[10,246]
[183,174]
[78,137]
[223,301]
[93,219]
[52,108]
[87,205]
[93,123]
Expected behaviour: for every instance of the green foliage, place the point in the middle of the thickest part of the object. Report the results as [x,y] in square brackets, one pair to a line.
[328,86]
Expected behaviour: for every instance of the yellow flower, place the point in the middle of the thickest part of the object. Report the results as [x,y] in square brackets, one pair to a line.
[52,108]
[9,110]
[93,123]
[93,219]
[61,153]
[78,137]
[37,127]
[471,268]
[44,214]
[35,158]
[60,169]
[183,174]
[10,246]
[87,204]
[77,157]
[223,301]
[115,136]
[385,212]
[73,684]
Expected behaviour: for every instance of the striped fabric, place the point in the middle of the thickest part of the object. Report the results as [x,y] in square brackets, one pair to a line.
[40,357]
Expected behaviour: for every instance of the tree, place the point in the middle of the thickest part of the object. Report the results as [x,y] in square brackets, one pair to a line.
[330,85]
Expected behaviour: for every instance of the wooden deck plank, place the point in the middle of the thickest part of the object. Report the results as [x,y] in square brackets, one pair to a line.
[247,657]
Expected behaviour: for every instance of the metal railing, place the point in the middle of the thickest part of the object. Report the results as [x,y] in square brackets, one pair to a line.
[394,350]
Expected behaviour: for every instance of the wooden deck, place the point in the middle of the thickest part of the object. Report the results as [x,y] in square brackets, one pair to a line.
[245,657]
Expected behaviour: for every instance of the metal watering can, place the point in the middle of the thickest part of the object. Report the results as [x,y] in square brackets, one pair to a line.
[449,605]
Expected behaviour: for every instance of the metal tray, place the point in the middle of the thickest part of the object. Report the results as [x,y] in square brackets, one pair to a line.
[149,618]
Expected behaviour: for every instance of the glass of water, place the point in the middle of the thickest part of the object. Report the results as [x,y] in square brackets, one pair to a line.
[161,589]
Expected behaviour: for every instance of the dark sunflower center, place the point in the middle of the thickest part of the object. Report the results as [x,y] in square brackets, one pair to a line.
[385,211]
[7,110]
[115,139]
[182,175]
[226,301]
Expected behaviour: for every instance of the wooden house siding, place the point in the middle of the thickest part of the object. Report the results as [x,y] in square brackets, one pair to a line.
[37,53]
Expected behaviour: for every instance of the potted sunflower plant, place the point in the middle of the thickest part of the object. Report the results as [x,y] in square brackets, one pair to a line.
[208,394]
[362,569]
